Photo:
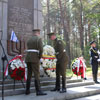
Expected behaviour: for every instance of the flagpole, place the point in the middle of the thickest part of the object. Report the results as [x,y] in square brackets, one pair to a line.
[1,57]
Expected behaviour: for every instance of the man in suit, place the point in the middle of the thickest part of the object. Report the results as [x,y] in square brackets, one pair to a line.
[61,64]
[94,60]
[34,53]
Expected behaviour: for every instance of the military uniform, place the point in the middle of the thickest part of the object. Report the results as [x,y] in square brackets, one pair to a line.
[34,53]
[94,57]
[61,64]
[33,58]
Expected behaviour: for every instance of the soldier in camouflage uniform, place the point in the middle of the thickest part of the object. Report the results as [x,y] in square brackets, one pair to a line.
[34,53]
[61,64]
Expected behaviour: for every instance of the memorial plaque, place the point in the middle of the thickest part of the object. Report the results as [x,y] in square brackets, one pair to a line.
[20,17]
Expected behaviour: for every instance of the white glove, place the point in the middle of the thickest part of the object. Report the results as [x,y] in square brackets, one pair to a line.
[96,56]
[98,52]
[98,60]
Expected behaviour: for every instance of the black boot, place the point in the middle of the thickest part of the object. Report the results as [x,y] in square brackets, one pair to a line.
[96,79]
[63,85]
[85,78]
[38,91]
[93,77]
[57,87]
[27,87]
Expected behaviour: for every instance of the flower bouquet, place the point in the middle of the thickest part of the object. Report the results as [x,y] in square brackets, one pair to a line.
[79,67]
[49,60]
[16,68]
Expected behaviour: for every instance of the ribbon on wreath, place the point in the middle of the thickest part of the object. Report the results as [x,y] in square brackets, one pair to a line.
[48,58]
[51,69]
[17,57]
[82,64]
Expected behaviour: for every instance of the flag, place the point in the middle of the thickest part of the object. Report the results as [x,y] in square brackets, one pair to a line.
[13,37]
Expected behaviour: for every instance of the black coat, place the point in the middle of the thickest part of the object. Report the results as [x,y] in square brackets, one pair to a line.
[94,55]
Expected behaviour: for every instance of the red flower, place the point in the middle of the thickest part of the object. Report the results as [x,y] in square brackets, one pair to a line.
[80,71]
[17,74]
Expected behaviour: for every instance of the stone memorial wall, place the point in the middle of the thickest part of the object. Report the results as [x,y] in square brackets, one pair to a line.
[21,16]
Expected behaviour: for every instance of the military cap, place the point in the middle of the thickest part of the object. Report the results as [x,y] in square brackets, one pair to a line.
[92,42]
[34,30]
[50,34]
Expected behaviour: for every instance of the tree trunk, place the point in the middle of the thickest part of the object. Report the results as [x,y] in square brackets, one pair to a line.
[80,24]
[89,33]
[66,34]
[48,12]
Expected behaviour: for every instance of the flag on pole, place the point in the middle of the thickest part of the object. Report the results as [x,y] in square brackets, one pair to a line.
[13,37]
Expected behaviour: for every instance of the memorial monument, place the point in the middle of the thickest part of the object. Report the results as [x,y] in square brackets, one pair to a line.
[20,16]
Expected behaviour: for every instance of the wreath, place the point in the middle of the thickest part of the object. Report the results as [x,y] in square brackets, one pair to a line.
[16,68]
[49,60]
[79,67]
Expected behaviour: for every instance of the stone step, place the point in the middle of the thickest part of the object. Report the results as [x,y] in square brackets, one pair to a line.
[9,81]
[43,83]
[72,93]
[79,92]
[21,90]
[93,97]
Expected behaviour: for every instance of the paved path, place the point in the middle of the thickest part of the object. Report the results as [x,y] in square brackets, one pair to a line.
[32,96]
[95,97]
[72,92]
[50,96]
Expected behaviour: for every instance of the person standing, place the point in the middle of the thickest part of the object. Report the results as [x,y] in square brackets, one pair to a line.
[94,60]
[32,59]
[61,63]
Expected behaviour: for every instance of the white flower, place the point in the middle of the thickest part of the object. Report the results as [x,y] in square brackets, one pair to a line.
[12,66]
[48,50]
[17,63]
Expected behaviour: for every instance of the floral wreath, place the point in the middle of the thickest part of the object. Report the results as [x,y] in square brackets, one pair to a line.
[49,60]
[16,68]
[79,67]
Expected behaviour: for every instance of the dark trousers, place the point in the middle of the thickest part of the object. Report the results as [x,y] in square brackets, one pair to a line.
[61,71]
[33,68]
[95,71]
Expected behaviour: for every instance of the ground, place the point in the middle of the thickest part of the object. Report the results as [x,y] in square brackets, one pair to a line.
[70,91]
[95,97]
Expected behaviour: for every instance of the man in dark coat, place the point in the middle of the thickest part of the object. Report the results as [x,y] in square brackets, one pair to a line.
[94,60]
[34,53]
[61,64]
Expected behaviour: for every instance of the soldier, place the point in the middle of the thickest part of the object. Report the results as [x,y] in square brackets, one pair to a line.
[94,60]
[61,64]
[34,53]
